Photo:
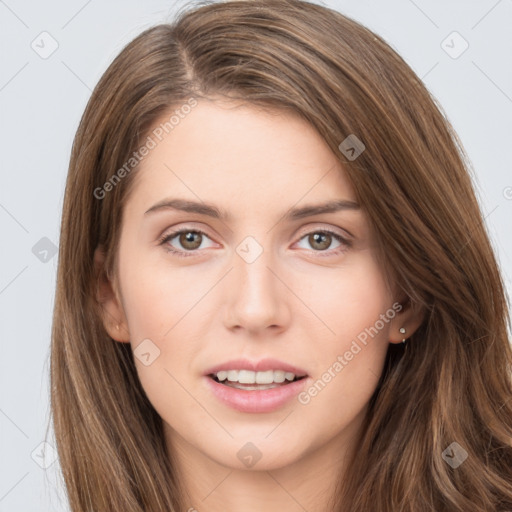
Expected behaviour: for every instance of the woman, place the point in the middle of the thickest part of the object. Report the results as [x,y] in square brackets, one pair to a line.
[275,289]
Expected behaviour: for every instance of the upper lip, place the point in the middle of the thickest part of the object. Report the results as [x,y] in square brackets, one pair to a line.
[256,366]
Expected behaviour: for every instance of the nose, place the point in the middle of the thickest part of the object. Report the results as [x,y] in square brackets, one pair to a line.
[257,299]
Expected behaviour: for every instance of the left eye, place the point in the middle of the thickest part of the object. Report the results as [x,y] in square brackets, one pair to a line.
[322,239]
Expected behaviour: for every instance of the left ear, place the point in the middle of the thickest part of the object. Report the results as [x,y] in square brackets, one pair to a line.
[406,321]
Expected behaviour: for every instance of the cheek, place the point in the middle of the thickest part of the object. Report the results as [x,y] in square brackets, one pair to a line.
[350,302]
[163,310]
[159,299]
[349,361]
[157,320]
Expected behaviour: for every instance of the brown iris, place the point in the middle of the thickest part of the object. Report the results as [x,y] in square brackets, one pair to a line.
[323,238]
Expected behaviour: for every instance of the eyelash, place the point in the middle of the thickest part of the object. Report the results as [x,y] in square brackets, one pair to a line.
[169,236]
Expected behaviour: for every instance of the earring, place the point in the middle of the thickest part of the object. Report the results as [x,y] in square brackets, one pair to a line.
[117,327]
[402,331]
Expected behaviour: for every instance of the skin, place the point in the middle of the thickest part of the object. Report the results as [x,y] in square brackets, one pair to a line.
[298,302]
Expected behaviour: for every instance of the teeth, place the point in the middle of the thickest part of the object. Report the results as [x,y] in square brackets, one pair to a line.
[222,376]
[263,377]
[279,376]
[250,377]
[233,375]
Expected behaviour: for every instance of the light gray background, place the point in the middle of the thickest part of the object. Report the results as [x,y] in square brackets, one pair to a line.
[41,101]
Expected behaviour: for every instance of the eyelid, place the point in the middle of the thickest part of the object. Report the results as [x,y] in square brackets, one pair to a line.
[184,226]
[319,226]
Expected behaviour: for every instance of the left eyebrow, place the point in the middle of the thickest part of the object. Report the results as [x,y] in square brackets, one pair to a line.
[211,210]
[316,209]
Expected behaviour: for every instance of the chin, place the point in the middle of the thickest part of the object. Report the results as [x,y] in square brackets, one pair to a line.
[253,453]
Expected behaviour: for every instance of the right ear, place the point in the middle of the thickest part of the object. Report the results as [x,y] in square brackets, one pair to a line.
[112,312]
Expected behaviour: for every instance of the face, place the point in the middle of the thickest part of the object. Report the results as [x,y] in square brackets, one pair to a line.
[251,278]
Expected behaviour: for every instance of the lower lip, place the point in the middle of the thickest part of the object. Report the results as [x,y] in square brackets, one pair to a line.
[256,401]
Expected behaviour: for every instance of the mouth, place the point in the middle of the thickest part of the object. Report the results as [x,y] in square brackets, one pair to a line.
[255,381]
[251,386]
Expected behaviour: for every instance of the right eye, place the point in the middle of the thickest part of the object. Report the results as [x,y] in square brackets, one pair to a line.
[190,240]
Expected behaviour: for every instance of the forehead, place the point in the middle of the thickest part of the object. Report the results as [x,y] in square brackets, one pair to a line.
[240,155]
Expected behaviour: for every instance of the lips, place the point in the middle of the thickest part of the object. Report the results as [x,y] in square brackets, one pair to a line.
[256,366]
[255,397]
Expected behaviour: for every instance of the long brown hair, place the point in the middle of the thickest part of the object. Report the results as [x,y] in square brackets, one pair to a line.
[453,383]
